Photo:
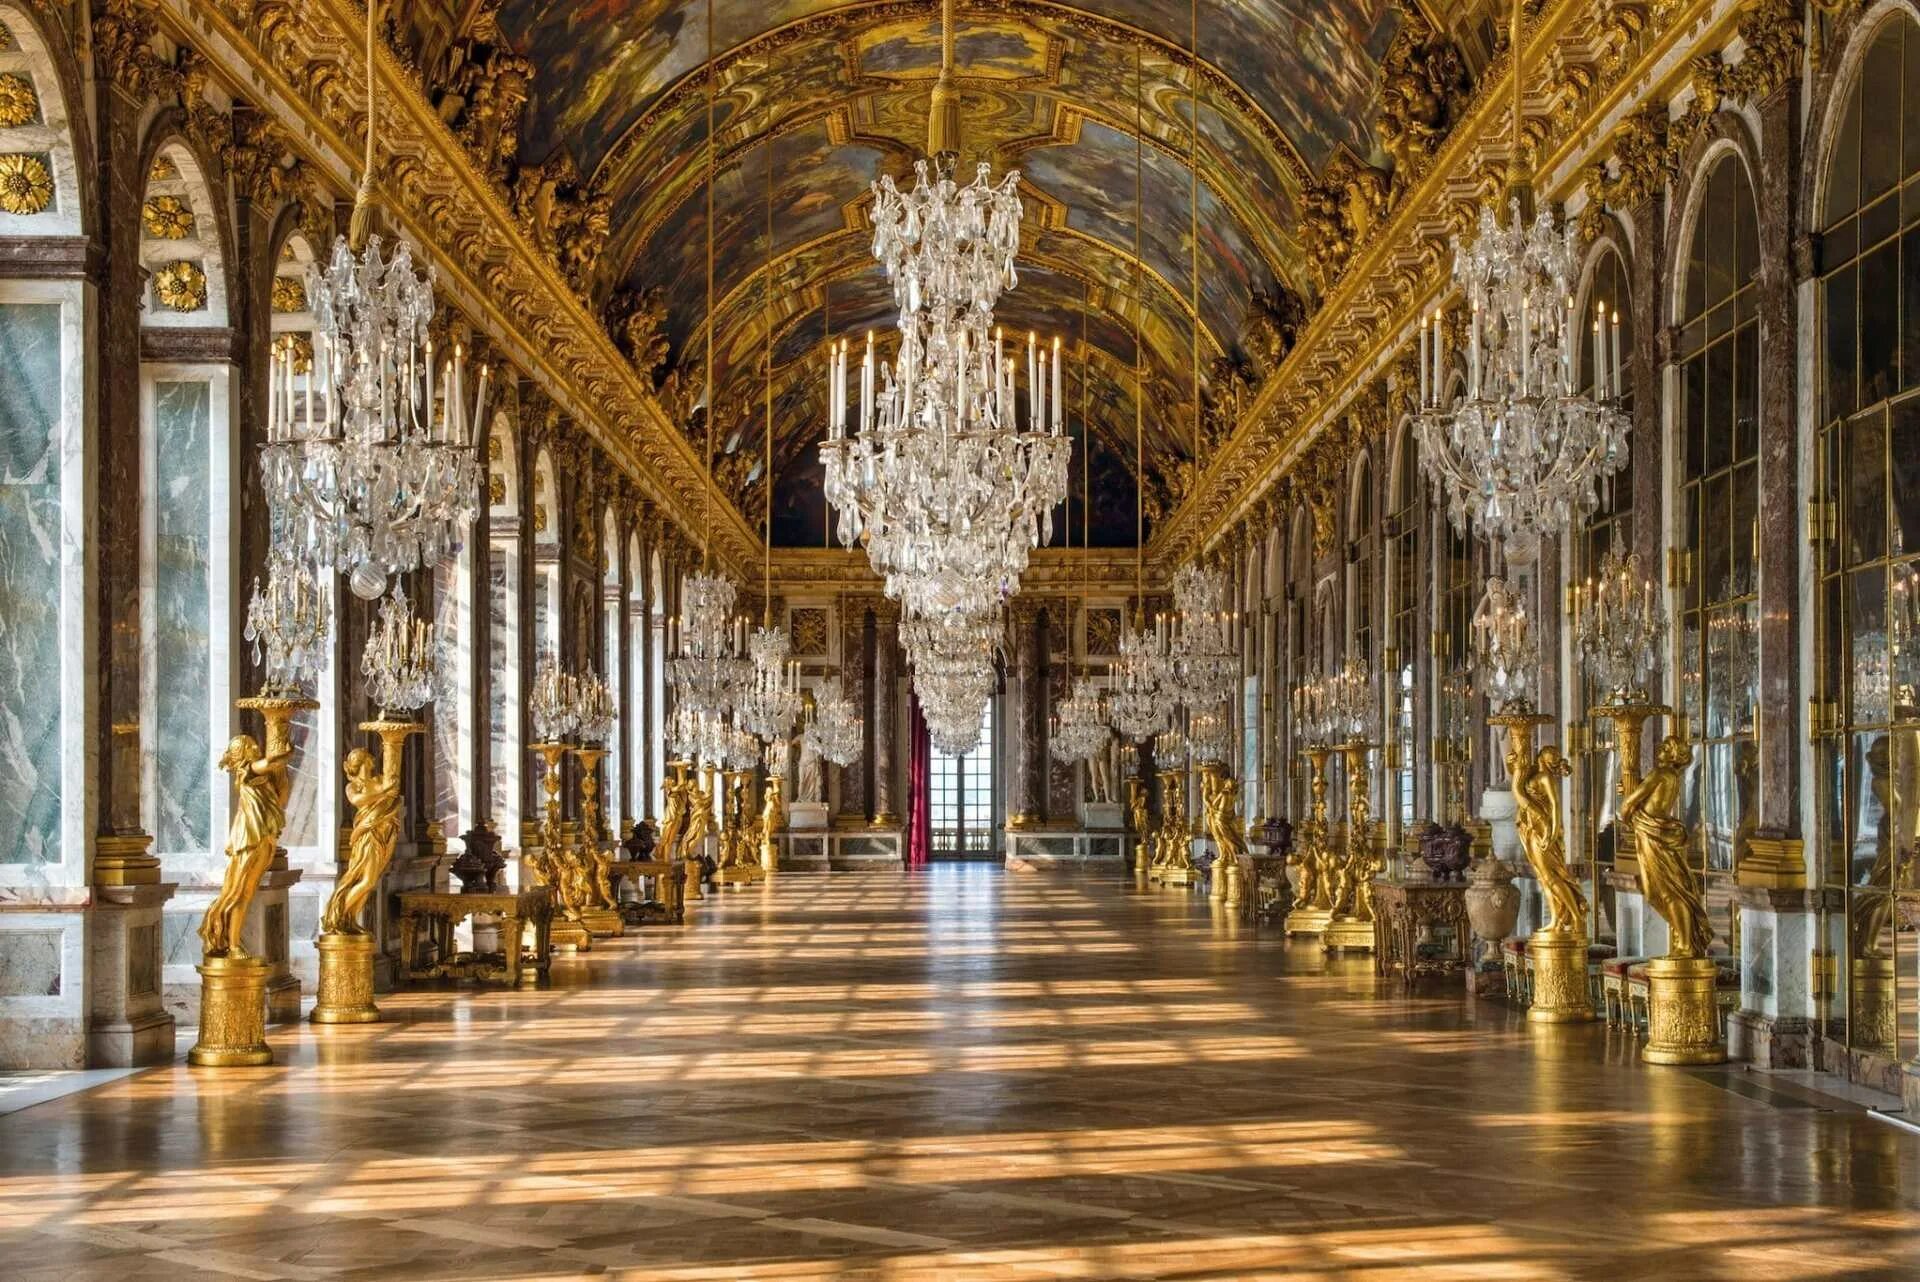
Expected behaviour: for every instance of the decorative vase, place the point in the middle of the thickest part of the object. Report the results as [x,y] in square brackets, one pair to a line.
[1493,908]
[1496,807]
[640,842]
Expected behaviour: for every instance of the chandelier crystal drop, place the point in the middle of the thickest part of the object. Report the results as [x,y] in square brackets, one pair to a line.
[553,702]
[1505,650]
[402,660]
[1619,628]
[1136,704]
[594,709]
[1354,703]
[946,247]
[1210,733]
[288,624]
[1316,718]
[837,733]
[369,464]
[1520,454]
[952,659]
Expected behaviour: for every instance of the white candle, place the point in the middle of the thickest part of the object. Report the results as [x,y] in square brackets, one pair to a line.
[1058,404]
[1616,381]
[1425,368]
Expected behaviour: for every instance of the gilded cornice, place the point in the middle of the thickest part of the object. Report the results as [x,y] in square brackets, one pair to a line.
[1051,572]
[304,62]
[1602,54]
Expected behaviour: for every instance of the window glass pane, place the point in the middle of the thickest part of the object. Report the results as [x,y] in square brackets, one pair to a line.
[1843,178]
[1879,322]
[1842,340]
[1719,406]
[1746,391]
[1863,489]
[1880,149]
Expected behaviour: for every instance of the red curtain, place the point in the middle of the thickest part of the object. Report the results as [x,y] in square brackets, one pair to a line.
[919,787]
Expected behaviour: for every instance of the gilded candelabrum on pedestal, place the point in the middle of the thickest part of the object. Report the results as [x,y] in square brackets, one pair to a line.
[699,827]
[1629,717]
[591,862]
[1351,898]
[1557,949]
[1220,799]
[773,822]
[233,983]
[1141,822]
[1313,855]
[1683,1022]
[344,993]
[1173,865]
[550,862]
[739,835]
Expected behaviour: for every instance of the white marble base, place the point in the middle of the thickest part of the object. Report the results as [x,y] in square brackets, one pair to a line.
[807,815]
[863,851]
[128,1025]
[1091,850]
[267,934]
[43,997]
[1774,952]
[1104,816]
[1641,932]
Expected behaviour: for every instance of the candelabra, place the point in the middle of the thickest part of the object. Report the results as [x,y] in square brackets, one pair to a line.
[771,699]
[1200,638]
[1080,723]
[1619,628]
[1505,650]
[704,666]
[554,705]
[401,665]
[288,623]
[592,716]
[1137,704]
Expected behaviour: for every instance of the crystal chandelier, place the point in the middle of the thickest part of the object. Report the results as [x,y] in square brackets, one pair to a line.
[1080,729]
[369,465]
[1203,661]
[836,732]
[939,482]
[704,644]
[1210,733]
[1619,628]
[938,478]
[287,623]
[1137,705]
[1505,650]
[402,660]
[771,698]
[952,659]
[1520,453]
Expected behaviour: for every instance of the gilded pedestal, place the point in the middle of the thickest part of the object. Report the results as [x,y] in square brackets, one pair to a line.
[233,1014]
[601,914]
[1870,1001]
[1351,928]
[345,990]
[1682,1025]
[1559,962]
[1313,898]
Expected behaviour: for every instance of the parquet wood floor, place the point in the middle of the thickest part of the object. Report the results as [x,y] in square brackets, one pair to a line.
[964,1074]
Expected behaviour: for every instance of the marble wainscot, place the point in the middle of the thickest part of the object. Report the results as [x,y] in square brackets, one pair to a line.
[1102,851]
[866,849]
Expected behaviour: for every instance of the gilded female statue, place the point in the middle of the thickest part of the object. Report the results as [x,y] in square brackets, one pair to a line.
[773,820]
[1307,860]
[1536,800]
[1137,816]
[1221,797]
[375,797]
[673,820]
[259,813]
[699,803]
[1671,882]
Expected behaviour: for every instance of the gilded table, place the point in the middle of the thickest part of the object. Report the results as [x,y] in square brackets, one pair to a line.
[1404,912]
[443,910]
[667,880]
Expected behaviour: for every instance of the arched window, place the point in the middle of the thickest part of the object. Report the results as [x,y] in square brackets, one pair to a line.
[638,745]
[1609,528]
[1403,644]
[657,671]
[1866,532]
[1717,510]
[547,607]
[1360,585]
[613,614]
[190,470]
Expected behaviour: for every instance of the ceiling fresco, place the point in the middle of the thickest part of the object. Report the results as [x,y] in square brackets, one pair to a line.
[814,99]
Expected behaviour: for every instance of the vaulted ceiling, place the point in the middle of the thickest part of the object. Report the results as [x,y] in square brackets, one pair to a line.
[814,99]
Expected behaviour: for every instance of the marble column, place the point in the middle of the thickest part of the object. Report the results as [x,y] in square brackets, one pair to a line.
[122,854]
[854,659]
[477,717]
[886,685]
[1026,746]
[1775,858]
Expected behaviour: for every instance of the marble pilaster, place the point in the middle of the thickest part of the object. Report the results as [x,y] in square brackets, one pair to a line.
[1026,748]
[886,714]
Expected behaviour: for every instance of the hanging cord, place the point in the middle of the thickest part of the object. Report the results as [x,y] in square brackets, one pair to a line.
[1519,171]
[766,323]
[943,117]
[1193,217]
[363,197]
[1139,418]
[713,163]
